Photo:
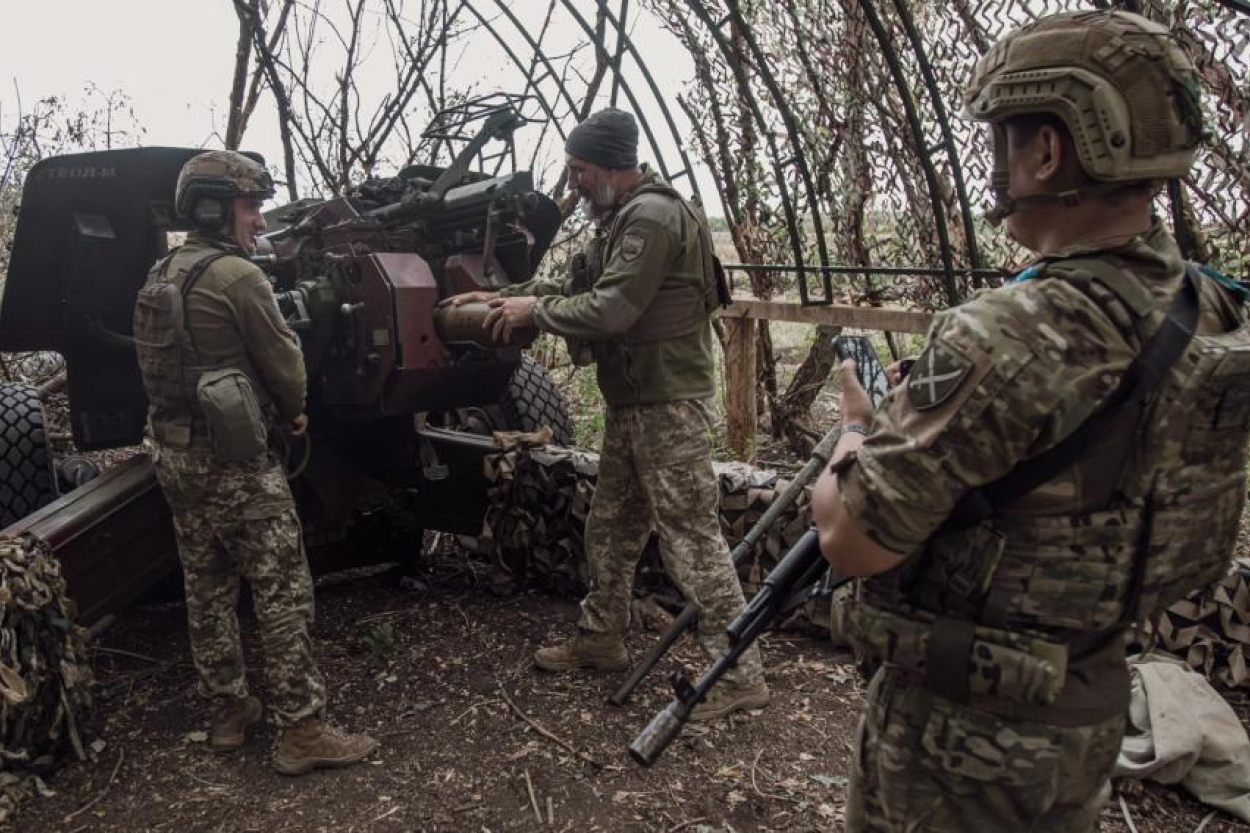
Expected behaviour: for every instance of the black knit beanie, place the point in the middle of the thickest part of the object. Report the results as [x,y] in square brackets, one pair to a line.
[608,138]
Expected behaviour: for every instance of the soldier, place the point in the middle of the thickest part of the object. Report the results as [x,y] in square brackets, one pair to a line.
[207,313]
[1064,458]
[638,302]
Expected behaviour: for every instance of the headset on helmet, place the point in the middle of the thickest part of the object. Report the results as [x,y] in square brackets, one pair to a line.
[209,182]
[1126,91]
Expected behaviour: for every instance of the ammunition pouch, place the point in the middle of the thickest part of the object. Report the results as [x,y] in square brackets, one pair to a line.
[580,280]
[956,658]
[232,414]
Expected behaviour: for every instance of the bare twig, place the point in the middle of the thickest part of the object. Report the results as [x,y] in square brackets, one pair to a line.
[100,649]
[561,742]
[756,787]
[1128,818]
[686,824]
[529,787]
[472,708]
[121,756]
[1205,821]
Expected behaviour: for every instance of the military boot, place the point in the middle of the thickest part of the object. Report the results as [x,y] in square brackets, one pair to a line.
[727,698]
[314,744]
[231,720]
[601,651]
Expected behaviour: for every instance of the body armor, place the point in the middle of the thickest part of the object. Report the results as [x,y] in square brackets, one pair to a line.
[988,605]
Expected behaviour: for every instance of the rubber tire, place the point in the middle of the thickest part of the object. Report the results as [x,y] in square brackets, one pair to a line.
[27,479]
[532,401]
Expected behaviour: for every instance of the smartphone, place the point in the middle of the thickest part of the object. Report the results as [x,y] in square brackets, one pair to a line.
[867,365]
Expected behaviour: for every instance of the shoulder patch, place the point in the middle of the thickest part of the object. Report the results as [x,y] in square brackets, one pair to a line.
[937,374]
[632,246]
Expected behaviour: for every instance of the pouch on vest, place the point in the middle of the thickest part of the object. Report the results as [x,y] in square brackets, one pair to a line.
[232,413]
[580,280]
[158,331]
[957,659]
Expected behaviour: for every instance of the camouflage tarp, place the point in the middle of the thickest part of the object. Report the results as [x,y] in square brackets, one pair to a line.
[45,673]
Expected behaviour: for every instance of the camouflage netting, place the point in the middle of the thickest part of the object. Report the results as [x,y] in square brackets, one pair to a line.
[45,673]
[540,498]
[1211,629]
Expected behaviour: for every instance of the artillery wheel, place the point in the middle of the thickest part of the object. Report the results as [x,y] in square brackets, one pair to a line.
[27,480]
[532,401]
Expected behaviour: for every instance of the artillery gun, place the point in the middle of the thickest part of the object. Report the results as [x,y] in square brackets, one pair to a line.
[401,392]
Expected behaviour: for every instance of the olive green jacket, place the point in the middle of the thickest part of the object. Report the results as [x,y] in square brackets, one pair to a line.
[234,320]
[646,248]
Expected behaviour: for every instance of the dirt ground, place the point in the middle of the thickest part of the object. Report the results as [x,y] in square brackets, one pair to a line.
[472,737]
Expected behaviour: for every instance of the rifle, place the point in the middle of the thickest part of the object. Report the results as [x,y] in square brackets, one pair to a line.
[872,377]
[818,461]
[801,567]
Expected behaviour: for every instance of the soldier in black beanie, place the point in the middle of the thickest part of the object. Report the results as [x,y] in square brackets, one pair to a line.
[637,302]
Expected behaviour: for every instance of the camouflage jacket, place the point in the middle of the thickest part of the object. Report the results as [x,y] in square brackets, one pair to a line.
[1006,376]
[233,320]
[647,247]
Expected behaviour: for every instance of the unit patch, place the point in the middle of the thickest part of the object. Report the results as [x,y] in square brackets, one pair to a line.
[937,374]
[631,246]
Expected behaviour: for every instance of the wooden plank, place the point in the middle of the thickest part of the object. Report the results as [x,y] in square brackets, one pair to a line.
[838,315]
[740,382]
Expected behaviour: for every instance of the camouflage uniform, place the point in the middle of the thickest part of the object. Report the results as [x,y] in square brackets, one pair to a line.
[1034,740]
[646,279]
[1001,699]
[238,520]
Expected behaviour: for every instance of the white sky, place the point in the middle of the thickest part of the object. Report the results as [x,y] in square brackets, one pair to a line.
[174,59]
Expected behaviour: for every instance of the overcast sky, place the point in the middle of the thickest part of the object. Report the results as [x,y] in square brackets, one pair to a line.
[174,59]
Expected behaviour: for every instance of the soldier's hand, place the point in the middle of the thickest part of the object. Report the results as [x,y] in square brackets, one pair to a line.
[898,371]
[507,314]
[299,425]
[856,406]
[481,296]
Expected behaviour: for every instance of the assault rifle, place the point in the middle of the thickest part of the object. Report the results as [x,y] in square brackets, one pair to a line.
[872,377]
[788,583]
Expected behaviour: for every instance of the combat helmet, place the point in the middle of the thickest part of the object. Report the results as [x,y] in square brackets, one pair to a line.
[209,182]
[1126,91]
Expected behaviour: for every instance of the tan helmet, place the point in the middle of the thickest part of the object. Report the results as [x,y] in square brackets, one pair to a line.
[1124,88]
[210,181]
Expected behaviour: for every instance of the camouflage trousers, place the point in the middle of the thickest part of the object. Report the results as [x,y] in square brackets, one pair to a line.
[655,473]
[923,763]
[237,521]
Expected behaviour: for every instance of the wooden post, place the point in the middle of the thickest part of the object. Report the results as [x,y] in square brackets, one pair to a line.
[740,382]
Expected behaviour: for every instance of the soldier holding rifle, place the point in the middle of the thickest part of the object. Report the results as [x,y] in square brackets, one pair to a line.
[1063,459]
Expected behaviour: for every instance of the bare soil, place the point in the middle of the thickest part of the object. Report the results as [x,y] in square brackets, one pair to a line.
[472,737]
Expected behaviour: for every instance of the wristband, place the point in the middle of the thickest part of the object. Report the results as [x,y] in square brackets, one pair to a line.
[855,428]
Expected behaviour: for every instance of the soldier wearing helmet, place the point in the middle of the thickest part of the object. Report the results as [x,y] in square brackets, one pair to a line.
[1027,492]
[211,342]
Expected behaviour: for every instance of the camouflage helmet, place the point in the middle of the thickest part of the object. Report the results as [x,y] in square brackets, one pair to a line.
[221,174]
[1126,91]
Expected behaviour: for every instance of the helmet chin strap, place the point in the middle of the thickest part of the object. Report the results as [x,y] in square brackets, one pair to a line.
[1005,205]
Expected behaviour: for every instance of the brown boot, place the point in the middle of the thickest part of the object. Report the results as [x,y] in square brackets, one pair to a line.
[231,720]
[602,651]
[314,744]
[728,698]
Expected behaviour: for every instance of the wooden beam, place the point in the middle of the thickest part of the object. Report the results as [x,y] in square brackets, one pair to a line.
[837,315]
[740,383]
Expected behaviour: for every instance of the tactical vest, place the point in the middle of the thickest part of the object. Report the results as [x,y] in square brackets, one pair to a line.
[983,608]
[679,308]
[166,349]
